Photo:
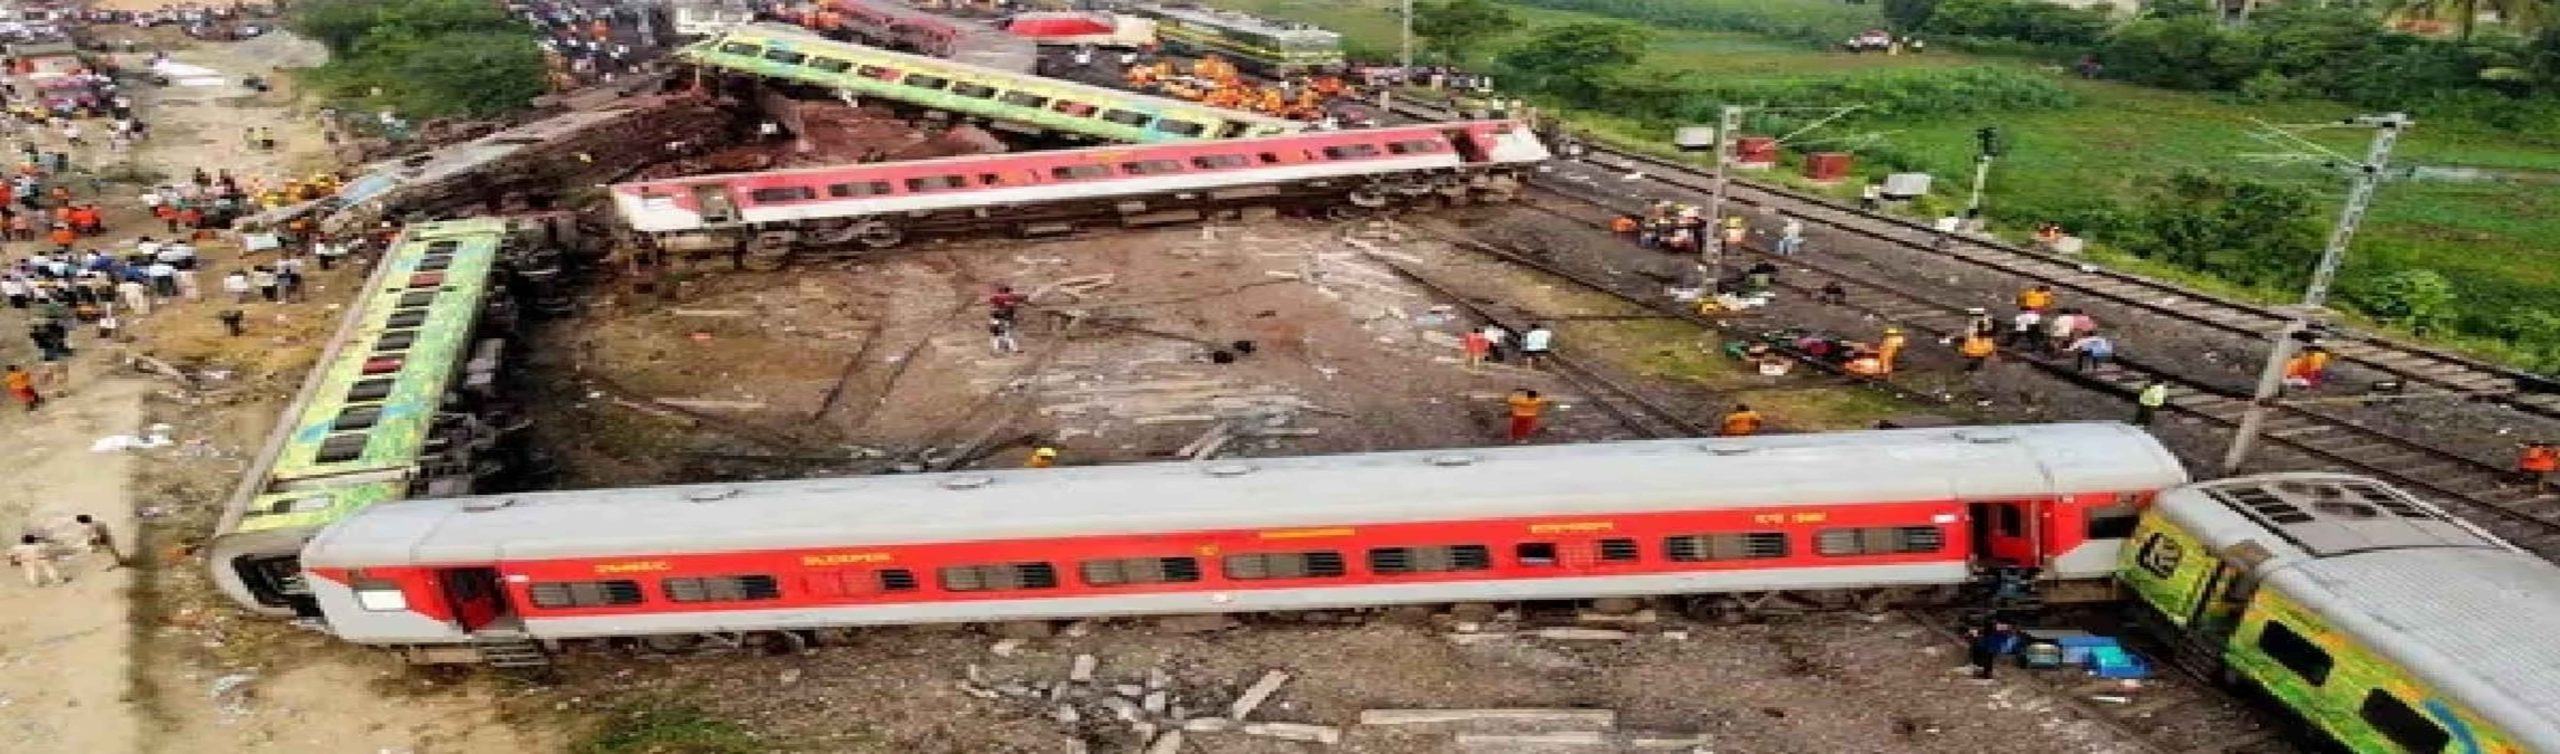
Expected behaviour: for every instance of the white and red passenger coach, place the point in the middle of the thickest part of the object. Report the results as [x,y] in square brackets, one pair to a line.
[876,203]
[1873,511]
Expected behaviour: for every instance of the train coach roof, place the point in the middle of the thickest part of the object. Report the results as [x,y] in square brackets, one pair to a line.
[2473,623]
[1404,486]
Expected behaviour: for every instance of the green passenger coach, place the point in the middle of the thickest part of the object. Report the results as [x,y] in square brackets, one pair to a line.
[789,53]
[2386,624]
[372,422]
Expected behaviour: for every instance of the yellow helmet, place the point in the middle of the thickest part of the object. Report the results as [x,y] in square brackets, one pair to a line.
[1045,452]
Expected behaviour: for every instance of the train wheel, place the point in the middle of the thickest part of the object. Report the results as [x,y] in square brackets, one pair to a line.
[1366,199]
[881,236]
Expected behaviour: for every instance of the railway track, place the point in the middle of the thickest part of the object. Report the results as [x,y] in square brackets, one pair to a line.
[2452,479]
[1636,411]
[2472,487]
[2415,364]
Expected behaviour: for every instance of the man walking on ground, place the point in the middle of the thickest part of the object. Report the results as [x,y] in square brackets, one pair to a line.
[1525,405]
[1476,346]
[1790,237]
[99,538]
[22,386]
[1535,344]
[1000,335]
[2146,405]
[2535,462]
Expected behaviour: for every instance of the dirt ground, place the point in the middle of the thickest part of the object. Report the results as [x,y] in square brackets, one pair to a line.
[129,660]
[857,367]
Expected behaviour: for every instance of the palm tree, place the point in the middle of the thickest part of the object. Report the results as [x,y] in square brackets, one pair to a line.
[2525,16]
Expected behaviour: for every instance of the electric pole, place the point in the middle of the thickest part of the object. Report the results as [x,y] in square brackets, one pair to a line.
[2362,179]
[1711,250]
[1404,59]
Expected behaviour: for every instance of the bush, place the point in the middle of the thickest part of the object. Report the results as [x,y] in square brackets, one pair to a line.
[2335,53]
[1818,23]
[425,58]
[2250,232]
[2028,21]
[2422,300]
[1893,94]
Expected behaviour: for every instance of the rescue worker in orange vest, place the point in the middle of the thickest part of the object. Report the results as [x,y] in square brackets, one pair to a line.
[1525,405]
[1741,422]
[1042,457]
[2535,463]
[2038,298]
[1624,225]
[1977,349]
[1888,350]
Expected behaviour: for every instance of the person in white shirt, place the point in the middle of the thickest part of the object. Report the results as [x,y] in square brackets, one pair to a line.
[1535,344]
[164,278]
[237,284]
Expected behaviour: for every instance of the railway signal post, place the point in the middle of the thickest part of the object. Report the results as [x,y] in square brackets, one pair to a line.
[2362,180]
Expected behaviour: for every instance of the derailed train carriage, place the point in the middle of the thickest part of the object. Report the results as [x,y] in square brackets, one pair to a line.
[404,403]
[2389,625]
[1843,518]
[881,205]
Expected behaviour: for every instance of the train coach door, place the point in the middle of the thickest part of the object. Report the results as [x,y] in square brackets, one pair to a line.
[2004,532]
[713,198]
[475,595]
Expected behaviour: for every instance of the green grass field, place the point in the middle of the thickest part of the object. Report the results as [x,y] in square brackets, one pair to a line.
[2492,238]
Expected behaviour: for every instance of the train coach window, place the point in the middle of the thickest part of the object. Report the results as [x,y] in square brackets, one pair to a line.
[411,317]
[433,262]
[1699,548]
[1284,565]
[370,390]
[443,247]
[1391,560]
[1621,550]
[1417,146]
[1878,540]
[342,448]
[921,81]
[785,57]
[585,593]
[1023,99]
[988,578]
[1080,172]
[830,65]
[721,588]
[1221,161]
[1073,109]
[854,582]
[937,183]
[1180,127]
[877,72]
[395,341]
[1535,553]
[1152,167]
[359,417]
[416,299]
[1119,571]
[1351,151]
[1126,118]
[858,188]
[783,194]
[2295,653]
[2395,720]
[2115,521]
[741,48]
[973,91]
